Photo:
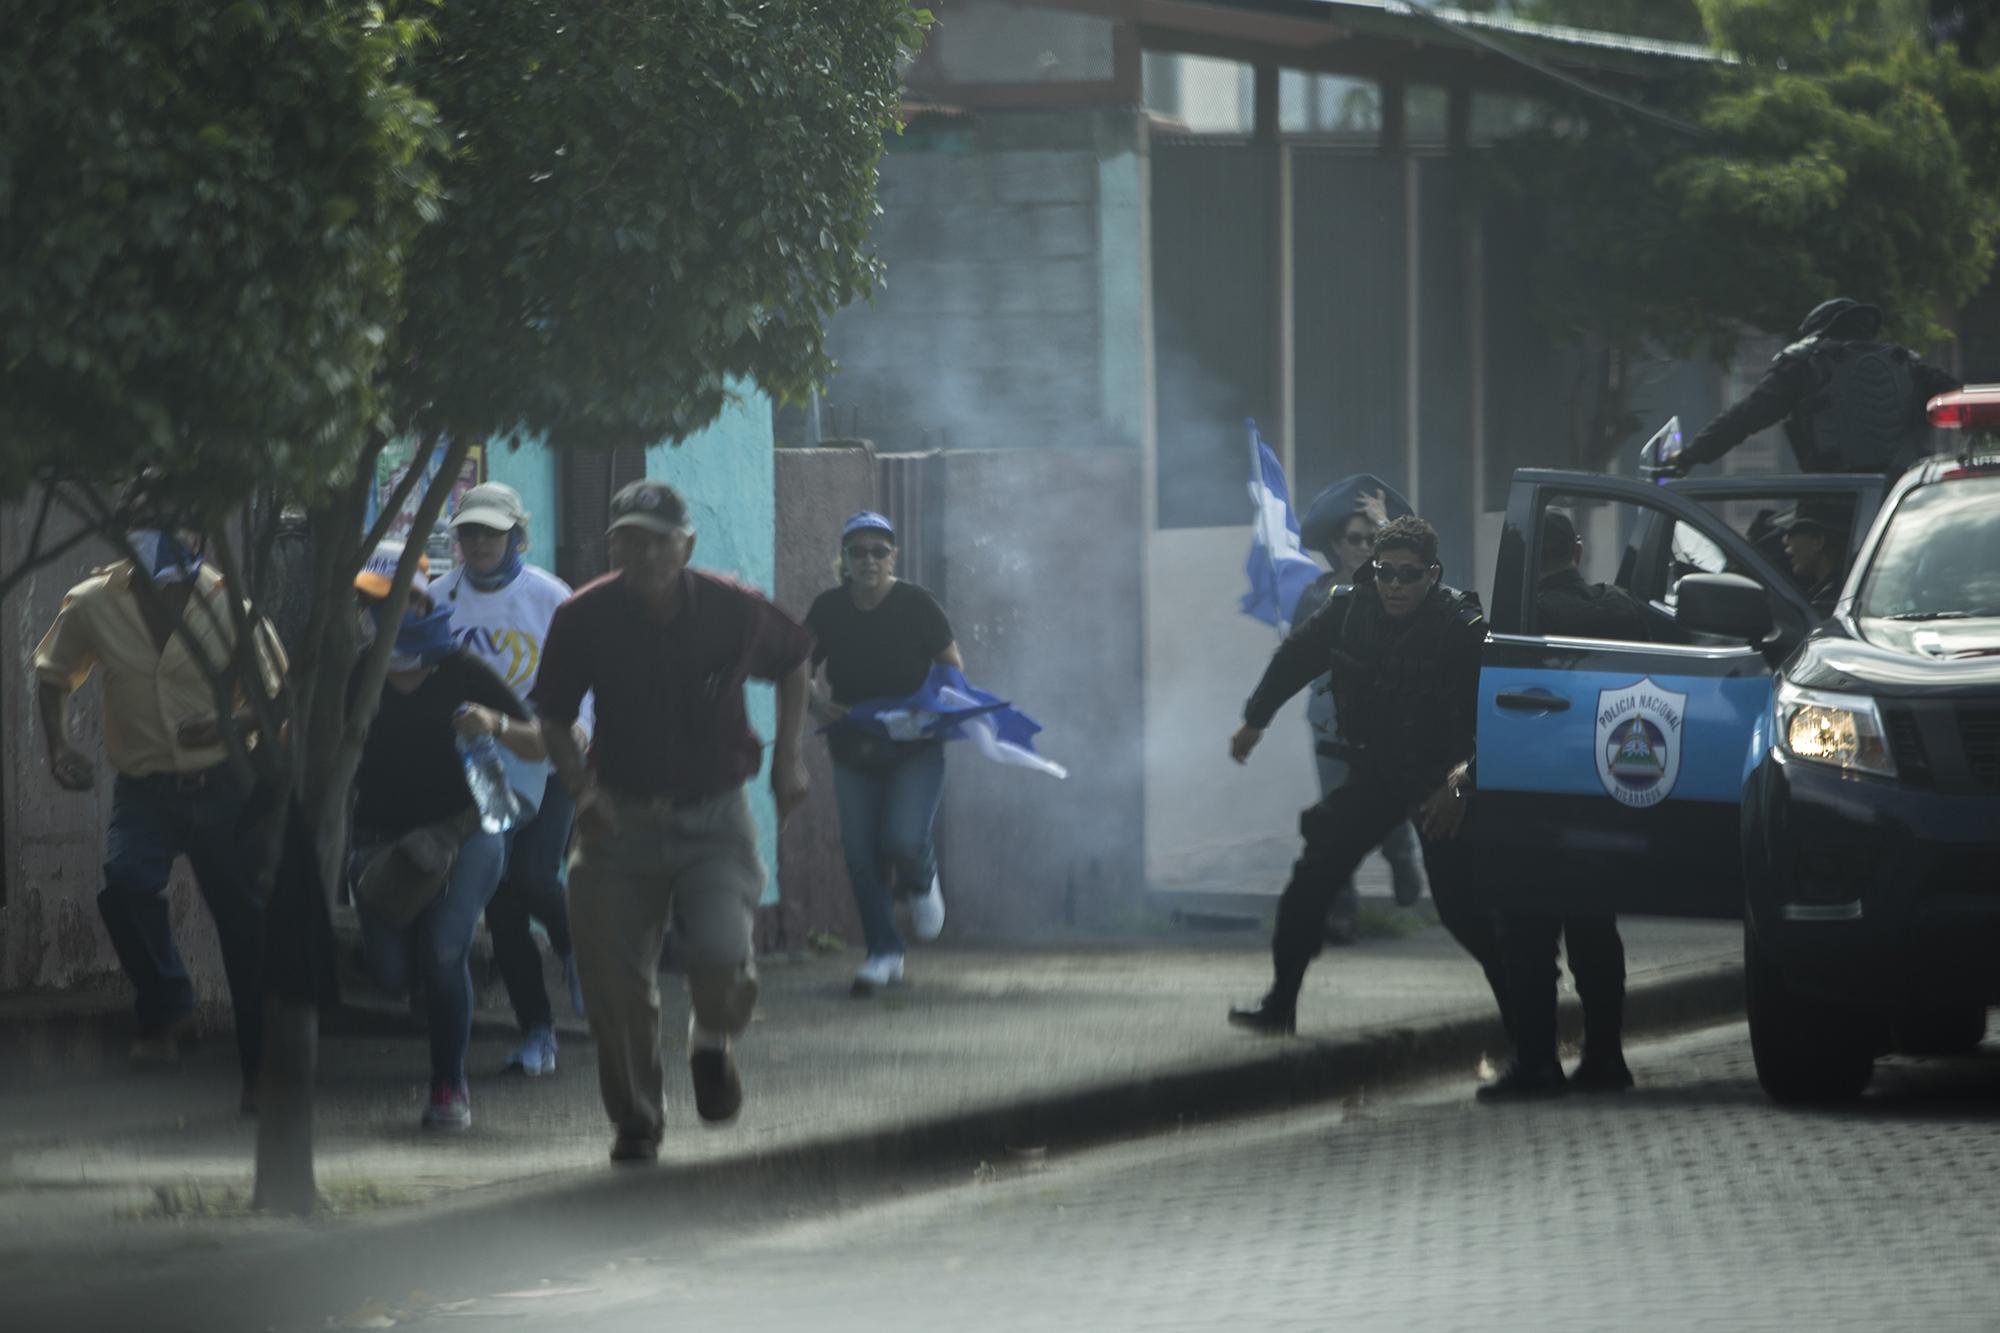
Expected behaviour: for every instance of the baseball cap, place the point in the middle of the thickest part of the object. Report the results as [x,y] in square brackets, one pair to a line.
[868,521]
[491,504]
[380,571]
[651,505]
[1818,517]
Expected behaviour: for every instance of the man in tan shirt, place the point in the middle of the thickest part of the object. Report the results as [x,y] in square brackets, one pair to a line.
[174,794]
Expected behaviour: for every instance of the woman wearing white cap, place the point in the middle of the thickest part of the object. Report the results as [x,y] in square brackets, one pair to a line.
[501,607]
[878,637]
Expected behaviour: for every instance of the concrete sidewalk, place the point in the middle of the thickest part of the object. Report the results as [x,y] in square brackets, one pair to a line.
[986,1049]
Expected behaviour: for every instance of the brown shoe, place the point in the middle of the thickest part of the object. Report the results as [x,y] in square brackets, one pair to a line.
[718,1093]
[634,1147]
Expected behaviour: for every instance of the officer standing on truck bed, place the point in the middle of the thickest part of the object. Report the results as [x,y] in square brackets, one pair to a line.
[1849,403]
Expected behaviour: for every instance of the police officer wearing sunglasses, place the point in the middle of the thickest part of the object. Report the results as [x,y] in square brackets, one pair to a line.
[1404,653]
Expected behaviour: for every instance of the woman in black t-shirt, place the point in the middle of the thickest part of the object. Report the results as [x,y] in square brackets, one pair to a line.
[878,638]
[411,776]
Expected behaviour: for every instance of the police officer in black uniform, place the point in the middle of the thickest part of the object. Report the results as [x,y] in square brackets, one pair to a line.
[1566,604]
[1815,537]
[1404,652]
[1849,403]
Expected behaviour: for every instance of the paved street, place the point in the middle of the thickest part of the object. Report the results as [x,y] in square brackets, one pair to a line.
[1692,1203]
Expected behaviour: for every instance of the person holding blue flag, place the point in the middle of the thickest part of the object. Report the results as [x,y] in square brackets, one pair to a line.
[878,637]
[1340,524]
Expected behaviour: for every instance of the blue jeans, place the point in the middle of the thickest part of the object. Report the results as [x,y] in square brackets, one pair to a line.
[199,816]
[434,950]
[885,828]
[533,887]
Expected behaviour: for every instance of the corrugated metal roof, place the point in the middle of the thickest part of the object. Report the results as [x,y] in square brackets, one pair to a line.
[1398,14]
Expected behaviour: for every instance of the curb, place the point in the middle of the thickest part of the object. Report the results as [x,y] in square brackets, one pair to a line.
[1282,1073]
[1292,1072]
[308,1267]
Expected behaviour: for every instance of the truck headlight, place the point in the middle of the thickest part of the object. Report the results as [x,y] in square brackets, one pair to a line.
[1843,731]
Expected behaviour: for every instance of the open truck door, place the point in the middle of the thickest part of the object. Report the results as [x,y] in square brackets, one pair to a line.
[1610,772]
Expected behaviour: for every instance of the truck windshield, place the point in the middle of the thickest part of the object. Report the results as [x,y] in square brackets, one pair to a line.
[1939,559]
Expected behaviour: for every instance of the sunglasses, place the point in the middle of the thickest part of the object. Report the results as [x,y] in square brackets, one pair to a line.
[870,552]
[1358,539]
[1400,573]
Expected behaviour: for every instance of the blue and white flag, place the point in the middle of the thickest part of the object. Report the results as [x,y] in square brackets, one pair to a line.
[1279,570]
[947,708]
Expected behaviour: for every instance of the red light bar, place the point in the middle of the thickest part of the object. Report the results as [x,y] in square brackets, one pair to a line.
[1975,407]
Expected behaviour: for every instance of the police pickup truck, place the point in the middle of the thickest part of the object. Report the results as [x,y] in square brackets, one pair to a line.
[1829,775]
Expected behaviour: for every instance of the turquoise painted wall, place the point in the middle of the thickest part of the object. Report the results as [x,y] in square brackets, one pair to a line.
[725,473]
[524,463]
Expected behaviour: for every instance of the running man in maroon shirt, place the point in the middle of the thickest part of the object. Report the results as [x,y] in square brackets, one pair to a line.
[663,828]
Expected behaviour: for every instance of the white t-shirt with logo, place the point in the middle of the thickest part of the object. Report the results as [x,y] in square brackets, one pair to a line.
[506,629]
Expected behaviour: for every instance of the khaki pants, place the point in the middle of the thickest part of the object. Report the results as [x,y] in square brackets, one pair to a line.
[695,868]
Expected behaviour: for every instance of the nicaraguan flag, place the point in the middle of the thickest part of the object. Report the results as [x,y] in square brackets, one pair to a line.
[1279,571]
[947,708]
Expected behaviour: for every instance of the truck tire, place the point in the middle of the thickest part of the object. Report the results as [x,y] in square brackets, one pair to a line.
[1805,1051]
[1956,1031]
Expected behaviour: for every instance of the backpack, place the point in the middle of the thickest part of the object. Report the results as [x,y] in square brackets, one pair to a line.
[1863,416]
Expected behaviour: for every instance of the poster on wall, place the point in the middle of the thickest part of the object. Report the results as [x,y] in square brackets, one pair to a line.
[391,468]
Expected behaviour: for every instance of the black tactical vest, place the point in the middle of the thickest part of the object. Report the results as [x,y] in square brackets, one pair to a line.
[1389,685]
[1863,415]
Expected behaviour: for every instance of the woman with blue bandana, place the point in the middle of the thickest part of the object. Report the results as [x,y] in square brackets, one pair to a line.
[501,607]
[411,779]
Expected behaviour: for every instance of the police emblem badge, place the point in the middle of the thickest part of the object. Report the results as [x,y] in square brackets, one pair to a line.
[1639,742]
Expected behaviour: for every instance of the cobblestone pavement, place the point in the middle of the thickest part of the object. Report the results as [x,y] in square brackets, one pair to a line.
[1690,1203]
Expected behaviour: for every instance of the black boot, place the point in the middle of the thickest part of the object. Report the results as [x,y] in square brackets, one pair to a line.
[1273,1016]
[1526,1082]
[1602,1069]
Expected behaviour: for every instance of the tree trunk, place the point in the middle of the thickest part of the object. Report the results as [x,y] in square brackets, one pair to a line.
[326,752]
[284,1108]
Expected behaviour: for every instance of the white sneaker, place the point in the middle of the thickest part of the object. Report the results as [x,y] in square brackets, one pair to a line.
[881,969]
[927,914]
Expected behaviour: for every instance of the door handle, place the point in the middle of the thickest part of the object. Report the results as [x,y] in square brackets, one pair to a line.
[1531,702]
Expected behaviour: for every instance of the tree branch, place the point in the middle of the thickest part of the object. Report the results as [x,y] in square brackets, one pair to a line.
[401,495]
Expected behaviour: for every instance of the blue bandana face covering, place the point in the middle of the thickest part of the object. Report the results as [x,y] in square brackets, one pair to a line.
[164,556]
[421,640]
[503,573]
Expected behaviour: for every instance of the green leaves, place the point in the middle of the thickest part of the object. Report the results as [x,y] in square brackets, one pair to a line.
[1866,166]
[205,212]
[701,182]
[241,236]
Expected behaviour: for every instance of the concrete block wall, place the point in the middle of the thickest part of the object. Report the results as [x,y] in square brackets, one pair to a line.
[991,330]
[816,490]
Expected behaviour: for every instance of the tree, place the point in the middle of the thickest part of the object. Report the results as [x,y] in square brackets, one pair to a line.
[203,217]
[640,206]
[1839,155]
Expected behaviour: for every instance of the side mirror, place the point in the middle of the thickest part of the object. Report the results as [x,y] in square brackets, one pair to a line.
[1728,606]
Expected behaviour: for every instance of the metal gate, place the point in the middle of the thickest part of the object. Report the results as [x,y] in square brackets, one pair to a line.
[586,479]
[911,491]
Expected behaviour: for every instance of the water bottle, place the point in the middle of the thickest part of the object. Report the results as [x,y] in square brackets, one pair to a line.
[486,779]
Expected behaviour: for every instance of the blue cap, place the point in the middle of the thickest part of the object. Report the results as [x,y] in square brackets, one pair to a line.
[868,521]
[1332,507]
